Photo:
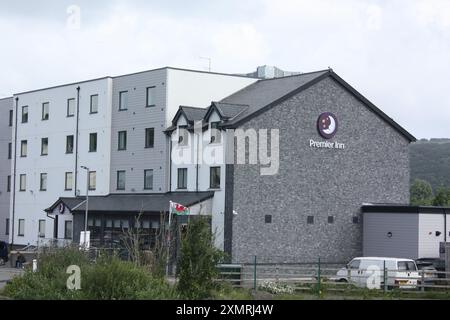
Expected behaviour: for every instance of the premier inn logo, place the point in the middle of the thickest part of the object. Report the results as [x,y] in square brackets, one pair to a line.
[327,125]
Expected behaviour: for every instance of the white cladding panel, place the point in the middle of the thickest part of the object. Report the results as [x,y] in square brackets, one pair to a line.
[31,202]
[431,233]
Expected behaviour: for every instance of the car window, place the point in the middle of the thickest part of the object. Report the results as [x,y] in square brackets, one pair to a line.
[354,264]
[402,266]
[411,266]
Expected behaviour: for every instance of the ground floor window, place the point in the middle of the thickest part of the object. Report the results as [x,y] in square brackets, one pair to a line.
[41,230]
[21,229]
[68,230]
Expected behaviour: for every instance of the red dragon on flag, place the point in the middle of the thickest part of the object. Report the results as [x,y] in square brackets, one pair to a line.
[178,209]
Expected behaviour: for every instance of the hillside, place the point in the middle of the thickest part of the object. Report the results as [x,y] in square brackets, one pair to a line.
[430,161]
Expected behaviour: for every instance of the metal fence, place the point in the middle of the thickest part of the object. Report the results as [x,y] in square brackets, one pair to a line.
[331,277]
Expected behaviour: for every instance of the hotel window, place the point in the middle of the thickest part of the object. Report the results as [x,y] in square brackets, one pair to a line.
[23,148]
[9,150]
[92,180]
[11,115]
[330,219]
[216,135]
[183,136]
[69,144]
[93,142]
[70,107]
[44,146]
[7,227]
[355,219]
[68,183]
[94,104]
[43,182]
[121,180]
[68,230]
[148,179]
[45,111]
[268,218]
[122,140]
[310,220]
[214,178]
[41,231]
[123,100]
[21,228]
[150,101]
[182,178]
[8,184]
[149,137]
[24,114]
[23,182]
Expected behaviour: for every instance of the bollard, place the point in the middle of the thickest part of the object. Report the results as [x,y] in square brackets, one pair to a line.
[34,265]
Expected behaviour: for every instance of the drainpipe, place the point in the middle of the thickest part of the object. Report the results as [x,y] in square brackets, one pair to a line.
[14,176]
[196,166]
[76,139]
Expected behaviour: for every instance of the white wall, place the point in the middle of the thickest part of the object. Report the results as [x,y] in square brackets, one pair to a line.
[429,223]
[199,89]
[205,162]
[31,203]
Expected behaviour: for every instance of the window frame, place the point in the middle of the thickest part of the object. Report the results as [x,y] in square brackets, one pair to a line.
[8,183]
[11,117]
[67,144]
[218,137]
[66,174]
[147,138]
[22,188]
[184,179]
[22,144]
[41,185]
[184,130]
[91,149]
[40,234]
[69,115]
[70,237]
[211,186]
[9,150]
[91,111]
[124,134]
[94,173]
[145,179]
[43,118]
[42,147]
[124,180]
[147,105]
[310,220]
[25,115]
[20,223]
[7,227]
[120,100]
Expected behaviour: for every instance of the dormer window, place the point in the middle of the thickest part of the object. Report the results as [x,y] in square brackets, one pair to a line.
[216,135]
[183,136]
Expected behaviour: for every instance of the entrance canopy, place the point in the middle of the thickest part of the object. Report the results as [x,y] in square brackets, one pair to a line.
[155,203]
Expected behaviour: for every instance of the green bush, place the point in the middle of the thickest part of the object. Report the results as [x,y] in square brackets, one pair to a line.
[108,278]
[197,265]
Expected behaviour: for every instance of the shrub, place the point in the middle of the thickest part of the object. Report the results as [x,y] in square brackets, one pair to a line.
[197,265]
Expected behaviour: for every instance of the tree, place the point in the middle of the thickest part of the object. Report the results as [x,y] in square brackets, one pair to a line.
[421,193]
[442,197]
[197,265]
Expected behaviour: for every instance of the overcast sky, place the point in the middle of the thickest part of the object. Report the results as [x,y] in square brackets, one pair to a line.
[395,52]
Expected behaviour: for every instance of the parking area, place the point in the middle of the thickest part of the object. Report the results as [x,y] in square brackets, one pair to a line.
[7,274]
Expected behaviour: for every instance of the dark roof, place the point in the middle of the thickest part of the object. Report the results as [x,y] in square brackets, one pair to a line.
[228,110]
[401,208]
[149,203]
[192,113]
[265,94]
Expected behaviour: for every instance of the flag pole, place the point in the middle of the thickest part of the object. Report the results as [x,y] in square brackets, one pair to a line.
[168,239]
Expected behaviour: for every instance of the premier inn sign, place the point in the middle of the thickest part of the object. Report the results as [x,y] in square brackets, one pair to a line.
[327,125]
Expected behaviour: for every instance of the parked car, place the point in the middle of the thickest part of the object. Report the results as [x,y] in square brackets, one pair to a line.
[3,253]
[436,263]
[430,274]
[401,273]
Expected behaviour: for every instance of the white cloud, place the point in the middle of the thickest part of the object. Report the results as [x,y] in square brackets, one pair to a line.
[395,52]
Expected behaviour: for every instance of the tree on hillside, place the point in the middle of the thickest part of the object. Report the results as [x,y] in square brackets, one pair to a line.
[442,198]
[421,193]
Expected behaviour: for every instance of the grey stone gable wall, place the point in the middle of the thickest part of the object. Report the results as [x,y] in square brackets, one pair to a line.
[374,167]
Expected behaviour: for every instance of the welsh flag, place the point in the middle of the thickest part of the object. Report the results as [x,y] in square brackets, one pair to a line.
[178,209]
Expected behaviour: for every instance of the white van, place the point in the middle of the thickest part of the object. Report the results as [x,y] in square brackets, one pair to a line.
[363,271]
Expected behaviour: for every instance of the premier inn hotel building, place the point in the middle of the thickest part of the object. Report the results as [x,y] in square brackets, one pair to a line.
[331,151]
